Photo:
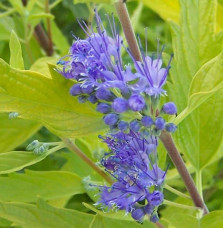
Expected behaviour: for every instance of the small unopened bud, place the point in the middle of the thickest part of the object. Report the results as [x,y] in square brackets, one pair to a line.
[75,90]
[32,145]
[82,99]
[160,123]
[120,105]
[138,214]
[13,115]
[135,126]
[104,94]
[111,119]
[87,89]
[170,127]
[147,121]
[169,108]
[103,108]
[154,217]
[123,126]
[136,102]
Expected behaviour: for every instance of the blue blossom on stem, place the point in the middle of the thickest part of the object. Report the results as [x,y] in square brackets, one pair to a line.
[137,176]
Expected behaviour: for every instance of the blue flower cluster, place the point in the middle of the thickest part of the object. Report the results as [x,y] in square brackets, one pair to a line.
[132,161]
[129,99]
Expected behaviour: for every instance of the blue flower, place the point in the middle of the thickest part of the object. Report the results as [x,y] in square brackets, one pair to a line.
[137,177]
[152,75]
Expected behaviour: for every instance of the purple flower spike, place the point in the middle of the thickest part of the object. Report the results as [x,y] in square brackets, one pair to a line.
[75,90]
[120,105]
[136,102]
[170,127]
[147,121]
[111,119]
[160,123]
[138,214]
[104,94]
[169,108]
[103,108]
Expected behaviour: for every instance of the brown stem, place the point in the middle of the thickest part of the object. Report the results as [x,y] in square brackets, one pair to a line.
[77,151]
[127,28]
[168,142]
[43,40]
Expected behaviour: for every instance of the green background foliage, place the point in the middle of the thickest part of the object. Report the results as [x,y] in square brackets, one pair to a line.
[48,190]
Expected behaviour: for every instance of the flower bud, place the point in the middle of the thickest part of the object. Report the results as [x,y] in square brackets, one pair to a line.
[170,127]
[160,123]
[156,198]
[104,94]
[75,90]
[169,108]
[82,99]
[32,145]
[120,105]
[13,115]
[138,214]
[87,89]
[93,99]
[136,102]
[149,209]
[111,119]
[134,125]
[154,217]
[123,126]
[147,121]
[103,108]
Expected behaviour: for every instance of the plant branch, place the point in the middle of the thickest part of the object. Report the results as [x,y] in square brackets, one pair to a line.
[173,190]
[127,28]
[168,142]
[43,40]
[69,144]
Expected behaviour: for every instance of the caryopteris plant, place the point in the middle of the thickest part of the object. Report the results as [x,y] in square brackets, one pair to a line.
[118,108]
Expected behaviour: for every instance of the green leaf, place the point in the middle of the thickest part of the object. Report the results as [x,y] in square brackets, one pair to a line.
[207,81]
[104,222]
[213,220]
[165,8]
[40,16]
[43,215]
[48,184]
[41,65]
[16,60]
[6,26]
[59,39]
[191,40]
[94,1]
[18,6]
[48,101]
[17,160]
[14,132]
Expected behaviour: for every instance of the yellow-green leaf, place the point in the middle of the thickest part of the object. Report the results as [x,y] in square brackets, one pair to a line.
[17,160]
[48,101]
[14,132]
[25,187]
[43,215]
[16,59]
